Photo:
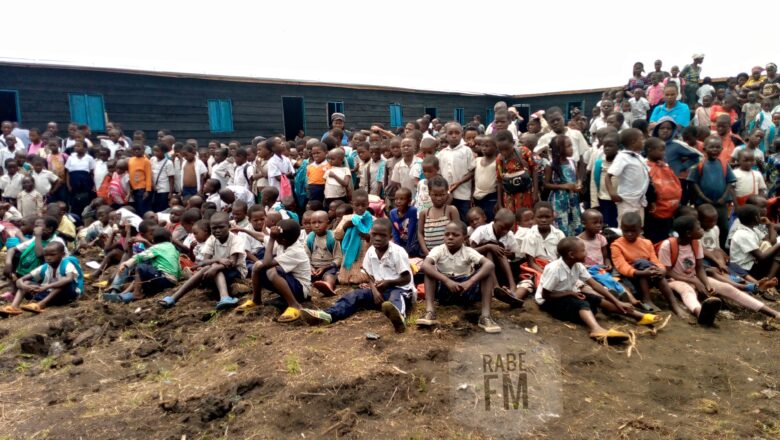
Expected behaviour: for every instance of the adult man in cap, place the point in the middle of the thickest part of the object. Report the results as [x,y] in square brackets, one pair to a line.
[691,74]
[337,121]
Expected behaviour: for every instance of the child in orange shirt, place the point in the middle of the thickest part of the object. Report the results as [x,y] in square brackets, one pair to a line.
[140,171]
[315,172]
[634,257]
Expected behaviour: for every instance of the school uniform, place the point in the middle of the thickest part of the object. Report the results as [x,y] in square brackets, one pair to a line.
[213,248]
[11,186]
[393,263]
[294,266]
[633,180]
[559,277]
[162,171]
[744,241]
[459,267]
[279,166]
[223,172]
[5,154]
[486,234]
[485,189]
[402,174]
[542,247]
[323,252]
[29,203]
[334,190]
[46,274]
[242,175]
[455,163]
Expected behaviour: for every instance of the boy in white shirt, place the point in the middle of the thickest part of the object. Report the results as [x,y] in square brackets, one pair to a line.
[46,182]
[540,245]
[632,175]
[337,177]
[639,105]
[162,177]
[222,169]
[749,181]
[11,183]
[279,165]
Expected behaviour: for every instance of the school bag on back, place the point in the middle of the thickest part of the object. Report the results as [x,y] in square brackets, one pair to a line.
[667,189]
[674,248]
[329,240]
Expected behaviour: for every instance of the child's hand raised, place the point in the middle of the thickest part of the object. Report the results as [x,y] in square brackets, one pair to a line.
[765,221]
[237,229]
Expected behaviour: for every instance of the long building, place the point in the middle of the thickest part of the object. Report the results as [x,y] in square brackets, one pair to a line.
[220,107]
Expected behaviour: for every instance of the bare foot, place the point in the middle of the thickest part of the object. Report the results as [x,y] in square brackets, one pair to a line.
[767,283]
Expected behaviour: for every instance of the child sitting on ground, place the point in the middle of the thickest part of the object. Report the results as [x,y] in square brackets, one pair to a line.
[683,257]
[753,253]
[255,236]
[496,241]
[635,259]
[97,233]
[475,217]
[224,262]
[353,232]
[540,245]
[156,269]
[458,274]
[288,273]
[557,294]
[404,219]
[389,287]
[59,281]
[201,231]
[749,181]
[325,253]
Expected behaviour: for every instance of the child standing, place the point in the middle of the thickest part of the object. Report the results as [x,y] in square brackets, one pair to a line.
[140,172]
[664,193]
[162,177]
[29,201]
[402,176]
[193,172]
[279,166]
[315,172]
[515,172]
[451,277]
[404,219]
[749,181]
[55,162]
[600,197]
[632,175]
[639,105]
[558,295]
[46,182]
[422,197]
[337,178]
[325,253]
[485,178]
[222,169]
[389,286]
[562,179]
[11,182]
[436,218]
[457,167]
[713,182]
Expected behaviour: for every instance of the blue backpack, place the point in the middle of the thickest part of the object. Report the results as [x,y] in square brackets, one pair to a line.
[64,265]
[330,241]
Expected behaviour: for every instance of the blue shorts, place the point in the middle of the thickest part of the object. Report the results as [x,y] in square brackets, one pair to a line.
[152,280]
[295,286]
[469,297]
[67,295]
[231,276]
[329,271]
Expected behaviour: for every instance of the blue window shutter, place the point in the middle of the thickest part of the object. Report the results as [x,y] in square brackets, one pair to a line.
[226,115]
[489,115]
[459,116]
[214,115]
[78,108]
[96,116]
[340,107]
[396,115]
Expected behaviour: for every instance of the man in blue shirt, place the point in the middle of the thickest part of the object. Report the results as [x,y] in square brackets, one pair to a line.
[677,110]
[337,121]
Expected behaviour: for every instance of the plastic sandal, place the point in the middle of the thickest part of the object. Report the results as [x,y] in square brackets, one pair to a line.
[649,319]
[227,303]
[10,310]
[246,307]
[611,336]
[289,315]
[32,307]
[167,302]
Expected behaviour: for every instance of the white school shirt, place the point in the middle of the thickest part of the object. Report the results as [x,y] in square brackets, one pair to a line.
[101,171]
[632,175]
[639,108]
[277,166]
[462,263]
[334,189]
[749,182]
[6,154]
[579,145]
[485,179]
[402,174]
[454,164]
[744,241]
[394,262]
[52,274]
[544,247]
[758,155]
[233,245]
[177,161]
[559,277]
[11,186]
[44,181]
[242,175]
[711,239]
[76,163]
[295,261]
[113,147]
[162,170]
[243,193]
[200,170]
[223,172]
[485,234]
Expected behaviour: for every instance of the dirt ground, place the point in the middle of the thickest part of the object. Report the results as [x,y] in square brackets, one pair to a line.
[105,371]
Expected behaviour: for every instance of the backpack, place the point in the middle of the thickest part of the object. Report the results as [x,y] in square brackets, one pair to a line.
[674,248]
[102,191]
[700,167]
[64,265]
[330,241]
[668,191]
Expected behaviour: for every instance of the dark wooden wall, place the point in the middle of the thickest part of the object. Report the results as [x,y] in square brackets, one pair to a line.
[151,102]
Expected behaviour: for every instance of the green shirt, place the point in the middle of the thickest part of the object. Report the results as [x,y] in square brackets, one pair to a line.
[165,258]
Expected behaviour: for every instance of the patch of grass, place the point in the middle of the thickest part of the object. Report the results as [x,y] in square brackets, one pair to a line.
[164,376]
[149,325]
[772,428]
[231,368]
[47,362]
[292,365]
[422,384]
[21,367]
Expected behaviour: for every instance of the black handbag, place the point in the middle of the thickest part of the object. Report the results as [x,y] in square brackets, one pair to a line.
[517,182]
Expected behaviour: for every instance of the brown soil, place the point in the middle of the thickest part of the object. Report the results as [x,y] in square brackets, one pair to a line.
[140,372]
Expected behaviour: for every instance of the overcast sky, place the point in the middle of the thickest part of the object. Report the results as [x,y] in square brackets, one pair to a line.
[511,47]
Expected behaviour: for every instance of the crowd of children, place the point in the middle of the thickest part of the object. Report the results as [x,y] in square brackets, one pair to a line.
[656,197]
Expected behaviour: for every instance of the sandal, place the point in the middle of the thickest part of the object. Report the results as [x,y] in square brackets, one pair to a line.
[119,297]
[100,284]
[32,307]
[611,336]
[324,288]
[290,315]
[502,294]
[167,302]
[316,317]
[394,315]
[227,303]
[246,307]
[427,320]
[649,319]
[709,309]
[10,310]
[487,324]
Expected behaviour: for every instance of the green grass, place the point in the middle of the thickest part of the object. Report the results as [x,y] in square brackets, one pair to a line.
[47,362]
[22,366]
[231,368]
[422,384]
[292,365]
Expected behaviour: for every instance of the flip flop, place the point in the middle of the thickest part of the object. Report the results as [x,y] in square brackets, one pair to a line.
[316,317]
[167,302]
[649,319]
[246,307]
[611,336]
[100,284]
[227,303]
[118,297]
[289,315]
[10,310]
[709,309]
[394,315]
[324,288]
[32,307]
[427,320]
[503,295]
